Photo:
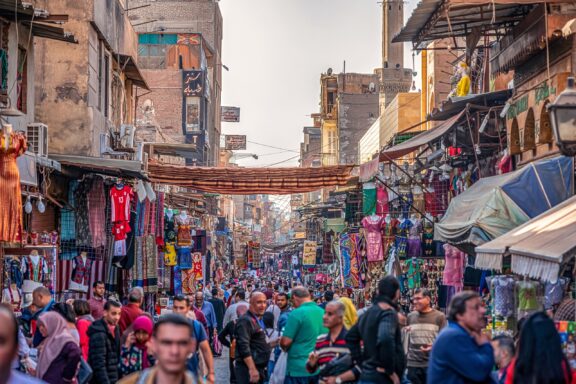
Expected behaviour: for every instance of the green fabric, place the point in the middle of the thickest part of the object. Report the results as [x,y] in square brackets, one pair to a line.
[369,201]
[303,327]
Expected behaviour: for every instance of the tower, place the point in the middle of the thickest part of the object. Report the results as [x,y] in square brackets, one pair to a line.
[394,77]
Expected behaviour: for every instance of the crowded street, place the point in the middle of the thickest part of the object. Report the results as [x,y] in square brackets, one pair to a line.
[287,192]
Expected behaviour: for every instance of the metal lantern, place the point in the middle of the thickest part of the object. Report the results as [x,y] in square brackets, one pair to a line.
[563,119]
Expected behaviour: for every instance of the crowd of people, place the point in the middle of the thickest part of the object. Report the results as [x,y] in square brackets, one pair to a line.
[273,333]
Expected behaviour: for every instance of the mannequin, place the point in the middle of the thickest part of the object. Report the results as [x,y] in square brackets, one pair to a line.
[7,132]
[414,240]
[373,226]
[80,273]
[184,234]
[34,271]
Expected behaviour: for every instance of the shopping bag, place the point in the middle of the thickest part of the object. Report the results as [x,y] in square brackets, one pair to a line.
[217,346]
[84,372]
[279,373]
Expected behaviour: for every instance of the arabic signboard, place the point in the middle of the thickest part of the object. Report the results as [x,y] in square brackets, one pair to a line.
[235,142]
[193,83]
[230,114]
[309,253]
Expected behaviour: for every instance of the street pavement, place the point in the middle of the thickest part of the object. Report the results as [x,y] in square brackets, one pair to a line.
[222,375]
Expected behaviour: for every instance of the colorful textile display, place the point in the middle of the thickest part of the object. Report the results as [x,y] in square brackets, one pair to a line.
[373,227]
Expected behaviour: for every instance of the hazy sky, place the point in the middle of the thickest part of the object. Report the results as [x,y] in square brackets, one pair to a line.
[276,51]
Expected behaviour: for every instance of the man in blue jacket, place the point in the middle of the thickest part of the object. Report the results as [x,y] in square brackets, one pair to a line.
[462,353]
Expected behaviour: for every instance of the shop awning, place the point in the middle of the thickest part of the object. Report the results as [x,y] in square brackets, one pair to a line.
[132,71]
[250,181]
[569,28]
[110,167]
[52,32]
[540,246]
[421,139]
[456,104]
[438,19]
[495,205]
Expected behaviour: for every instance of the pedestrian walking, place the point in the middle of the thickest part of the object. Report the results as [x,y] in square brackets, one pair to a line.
[462,353]
[504,351]
[272,338]
[219,308]
[252,350]
[208,310]
[539,358]
[201,363]
[42,300]
[303,327]
[132,310]
[134,355]
[172,342]
[104,345]
[228,339]
[239,299]
[9,349]
[59,353]
[97,300]
[329,345]
[382,357]
[424,324]
[83,321]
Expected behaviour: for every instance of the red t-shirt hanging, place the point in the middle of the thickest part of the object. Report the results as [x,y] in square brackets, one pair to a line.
[121,199]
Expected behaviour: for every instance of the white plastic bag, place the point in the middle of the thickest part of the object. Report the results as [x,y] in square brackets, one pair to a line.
[279,373]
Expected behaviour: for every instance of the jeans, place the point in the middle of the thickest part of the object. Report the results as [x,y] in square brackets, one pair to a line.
[301,380]
[417,375]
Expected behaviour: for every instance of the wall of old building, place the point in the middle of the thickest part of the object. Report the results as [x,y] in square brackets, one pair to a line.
[70,86]
[400,115]
[356,113]
[185,16]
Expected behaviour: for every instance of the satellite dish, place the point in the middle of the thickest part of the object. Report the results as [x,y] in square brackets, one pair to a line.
[329,71]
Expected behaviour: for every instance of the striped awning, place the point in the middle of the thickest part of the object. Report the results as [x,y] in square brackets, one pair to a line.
[250,181]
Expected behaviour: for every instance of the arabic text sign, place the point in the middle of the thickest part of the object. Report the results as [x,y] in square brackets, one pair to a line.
[235,142]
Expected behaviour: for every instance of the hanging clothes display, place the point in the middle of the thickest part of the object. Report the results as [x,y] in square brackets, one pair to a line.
[389,229]
[373,226]
[97,213]
[12,145]
[369,199]
[454,267]
[503,287]
[382,201]
[402,238]
[79,280]
[121,196]
[83,235]
[414,239]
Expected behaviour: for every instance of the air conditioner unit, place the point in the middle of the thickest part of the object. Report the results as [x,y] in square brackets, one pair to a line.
[127,136]
[37,137]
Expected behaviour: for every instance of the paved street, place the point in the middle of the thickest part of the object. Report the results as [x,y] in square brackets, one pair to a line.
[221,368]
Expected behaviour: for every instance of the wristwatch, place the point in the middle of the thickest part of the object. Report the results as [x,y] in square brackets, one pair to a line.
[338,380]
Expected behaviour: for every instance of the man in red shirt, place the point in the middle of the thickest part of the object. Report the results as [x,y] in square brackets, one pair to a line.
[97,300]
[132,310]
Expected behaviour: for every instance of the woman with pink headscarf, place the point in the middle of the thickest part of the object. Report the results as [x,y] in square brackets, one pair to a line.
[59,353]
[134,356]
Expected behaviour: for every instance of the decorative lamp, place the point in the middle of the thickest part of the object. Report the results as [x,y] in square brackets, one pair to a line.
[563,119]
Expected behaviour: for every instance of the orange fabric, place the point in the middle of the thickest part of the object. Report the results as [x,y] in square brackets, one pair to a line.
[250,181]
[11,201]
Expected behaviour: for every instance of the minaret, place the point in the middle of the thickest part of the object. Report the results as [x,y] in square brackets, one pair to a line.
[394,77]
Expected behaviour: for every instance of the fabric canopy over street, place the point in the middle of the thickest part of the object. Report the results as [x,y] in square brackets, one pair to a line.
[540,246]
[420,140]
[250,181]
[498,204]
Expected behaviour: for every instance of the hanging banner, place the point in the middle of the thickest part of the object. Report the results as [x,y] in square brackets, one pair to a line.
[197,265]
[192,114]
[309,253]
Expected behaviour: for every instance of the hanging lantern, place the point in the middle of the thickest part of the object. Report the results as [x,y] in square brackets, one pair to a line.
[563,119]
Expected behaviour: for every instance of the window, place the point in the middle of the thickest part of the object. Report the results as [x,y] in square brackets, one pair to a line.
[100,75]
[152,49]
[514,143]
[22,80]
[529,139]
[545,132]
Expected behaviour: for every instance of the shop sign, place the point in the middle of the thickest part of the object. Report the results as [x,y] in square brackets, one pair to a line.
[300,235]
[235,142]
[193,83]
[518,107]
[309,253]
[230,114]
[543,92]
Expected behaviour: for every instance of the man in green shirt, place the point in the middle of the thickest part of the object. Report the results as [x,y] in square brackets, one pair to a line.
[303,327]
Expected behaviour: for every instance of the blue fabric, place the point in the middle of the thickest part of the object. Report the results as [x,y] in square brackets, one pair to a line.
[184,257]
[457,359]
[550,182]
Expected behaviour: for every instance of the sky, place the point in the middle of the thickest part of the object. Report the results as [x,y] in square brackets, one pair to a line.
[276,50]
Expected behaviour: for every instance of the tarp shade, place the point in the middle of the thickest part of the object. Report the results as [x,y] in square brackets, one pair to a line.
[250,181]
[420,139]
[495,205]
[540,246]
